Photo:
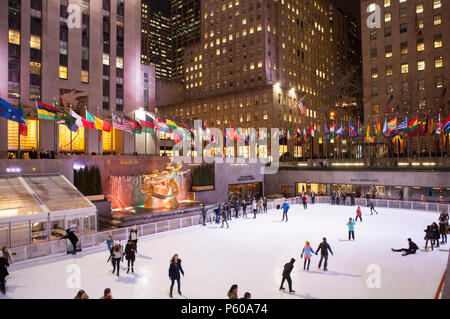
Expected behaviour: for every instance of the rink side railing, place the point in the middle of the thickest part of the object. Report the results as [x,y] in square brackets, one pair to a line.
[97,239]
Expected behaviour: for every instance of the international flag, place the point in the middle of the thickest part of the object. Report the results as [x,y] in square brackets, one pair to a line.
[119,123]
[439,125]
[136,126]
[148,125]
[339,131]
[427,127]
[65,118]
[46,112]
[23,127]
[360,129]
[325,129]
[173,126]
[392,125]
[378,128]
[281,134]
[318,130]
[209,134]
[301,106]
[332,128]
[162,126]
[368,134]
[413,126]
[390,103]
[447,125]
[352,129]
[96,123]
[240,134]
[311,131]
[385,126]
[190,132]
[403,125]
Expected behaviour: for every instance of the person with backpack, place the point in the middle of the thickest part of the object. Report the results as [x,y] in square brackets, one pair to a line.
[285,211]
[70,235]
[287,275]
[307,252]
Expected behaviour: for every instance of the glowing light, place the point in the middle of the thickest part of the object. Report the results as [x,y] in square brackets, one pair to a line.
[13,170]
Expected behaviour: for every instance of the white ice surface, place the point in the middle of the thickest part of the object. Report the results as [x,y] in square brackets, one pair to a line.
[251,253]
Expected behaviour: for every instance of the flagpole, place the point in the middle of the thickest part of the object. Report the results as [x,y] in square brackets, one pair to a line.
[112,138]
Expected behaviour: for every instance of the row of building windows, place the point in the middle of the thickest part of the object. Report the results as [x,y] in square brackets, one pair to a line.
[405,87]
[404,67]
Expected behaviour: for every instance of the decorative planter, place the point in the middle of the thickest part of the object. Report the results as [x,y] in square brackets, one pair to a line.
[202,188]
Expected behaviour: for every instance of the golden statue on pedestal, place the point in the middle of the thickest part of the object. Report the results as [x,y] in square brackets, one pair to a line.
[161,188]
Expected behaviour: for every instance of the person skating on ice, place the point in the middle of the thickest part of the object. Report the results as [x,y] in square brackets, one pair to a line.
[110,245]
[429,237]
[307,252]
[372,207]
[305,201]
[244,208]
[254,207]
[287,275]
[443,226]
[3,274]
[436,234]
[236,209]
[265,204]
[313,197]
[323,248]
[412,248]
[351,229]
[285,210]
[174,273]
[333,198]
[130,256]
[260,206]
[225,218]
[117,257]
[358,214]
[134,237]
[228,210]
[204,213]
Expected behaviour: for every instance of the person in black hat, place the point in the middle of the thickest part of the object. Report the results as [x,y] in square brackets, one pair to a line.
[287,275]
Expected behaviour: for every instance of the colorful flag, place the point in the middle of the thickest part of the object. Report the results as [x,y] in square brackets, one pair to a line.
[173,126]
[209,134]
[385,127]
[65,118]
[137,127]
[301,106]
[148,125]
[447,125]
[368,134]
[46,112]
[162,126]
[390,103]
[339,131]
[281,134]
[332,128]
[378,128]
[439,125]
[23,127]
[352,130]
[403,125]
[96,123]
[392,125]
[311,131]
[413,126]
[119,123]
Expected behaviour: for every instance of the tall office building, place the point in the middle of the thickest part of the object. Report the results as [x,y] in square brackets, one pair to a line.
[185,29]
[156,36]
[407,57]
[89,59]
[257,59]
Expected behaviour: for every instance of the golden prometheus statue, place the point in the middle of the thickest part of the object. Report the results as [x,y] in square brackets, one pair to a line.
[161,188]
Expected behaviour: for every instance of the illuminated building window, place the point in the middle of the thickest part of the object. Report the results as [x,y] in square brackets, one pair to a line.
[437,19]
[437,4]
[105,59]
[438,62]
[85,76]
[438,41]
[421,65]
[66,137]
[404,68]
[63,72]
[26,142]
[119,63]
[35,42]
[420,46]
[387,17]
[14,37]
[419,8]
[106,142]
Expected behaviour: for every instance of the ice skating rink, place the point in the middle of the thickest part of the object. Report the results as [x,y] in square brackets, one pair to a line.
[251,253]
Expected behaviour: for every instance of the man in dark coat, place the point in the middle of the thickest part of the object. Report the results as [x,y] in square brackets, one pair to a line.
[368,199]
[236,209]
[412,248]
[372,207]
[204,212]
[323,248]
[333,198]
[70,235]
[130,255]
[3,274]
[244,208]
[287,275]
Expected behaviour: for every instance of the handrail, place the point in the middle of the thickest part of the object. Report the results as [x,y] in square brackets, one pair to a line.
[441,285]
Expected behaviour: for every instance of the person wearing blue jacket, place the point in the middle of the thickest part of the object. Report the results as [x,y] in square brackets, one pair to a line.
[285,211]
[110,245]
[351,229]
[307,252]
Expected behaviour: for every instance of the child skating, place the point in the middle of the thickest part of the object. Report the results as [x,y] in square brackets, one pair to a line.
[307,252]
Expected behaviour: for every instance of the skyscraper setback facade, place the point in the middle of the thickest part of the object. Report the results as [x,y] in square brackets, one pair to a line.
[406,59]
[156,36]
[257,59]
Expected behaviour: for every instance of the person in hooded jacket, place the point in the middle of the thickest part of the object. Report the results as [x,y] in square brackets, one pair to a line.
[3,274]
[285,211]
[429,237]
[307,252]
[174,273]
[130,255]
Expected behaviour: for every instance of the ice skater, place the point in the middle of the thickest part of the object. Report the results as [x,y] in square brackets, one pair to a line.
[358,214]
[412,248]
[236,209]
[287,275]
[372,207]
[285,211]
[307,252]
[305,201]
[204,213]
[429,237]
[174,273]
[218,212]
[3,274]
[260,206]
[443,226]
[244,208]
[225,218]
[254,207]
[333,198]
[110,245]
[265,204]
[70,235]
[436,234]
[351,229]
[313,197]
[323,248]
[130,256]
[117,257]
[134,237]
[228,210]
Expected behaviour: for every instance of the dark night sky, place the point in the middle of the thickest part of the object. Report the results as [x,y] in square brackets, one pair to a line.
[350,6]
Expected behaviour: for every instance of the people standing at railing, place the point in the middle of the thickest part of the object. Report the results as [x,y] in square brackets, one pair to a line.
[3,274]
[372,207]
[244,208]
[133,236]
[429,237]
[436,234]
[324,247]
[313,197]
[338,197]
[351,229]
[344,199]
[358,214]
[110,245]
[225,218]
[333,198]
[260,206]
[265,204]
[352,198]
[70,235]
[368,199]
[174,273]
[204,213]
[117,257]
[130,256]
[412,248]
[443,226]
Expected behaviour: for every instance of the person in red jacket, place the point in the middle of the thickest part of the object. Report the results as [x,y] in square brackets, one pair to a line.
[305,201]
[358,214]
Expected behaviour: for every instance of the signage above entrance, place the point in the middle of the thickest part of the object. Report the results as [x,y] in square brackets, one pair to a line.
[246,178]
